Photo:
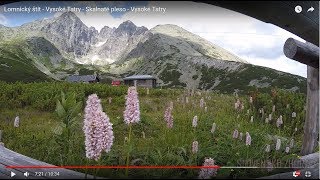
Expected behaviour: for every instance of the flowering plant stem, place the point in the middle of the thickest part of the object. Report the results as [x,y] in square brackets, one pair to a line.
[86,168]
[96,170]
[247,149]
[165,135]
[128,153]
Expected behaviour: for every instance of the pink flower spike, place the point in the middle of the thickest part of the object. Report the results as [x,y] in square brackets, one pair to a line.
[195,147]
[236,106]
[195,121]
[97,129]
[278,144]
[241,136]
[201,102]
[268,148]
[16,122]
[235,134]
[248,139]
[207,173]
[287,149]
[132,110]
[168,116]
[213,128]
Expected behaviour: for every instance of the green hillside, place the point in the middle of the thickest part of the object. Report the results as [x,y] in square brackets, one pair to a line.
[16,65]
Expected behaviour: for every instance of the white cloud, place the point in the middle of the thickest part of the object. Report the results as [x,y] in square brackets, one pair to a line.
[3,20]
[255,41]
[98,19]
[281,63]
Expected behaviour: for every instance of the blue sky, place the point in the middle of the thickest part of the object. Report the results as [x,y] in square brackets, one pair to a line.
[17,19]
[235,32]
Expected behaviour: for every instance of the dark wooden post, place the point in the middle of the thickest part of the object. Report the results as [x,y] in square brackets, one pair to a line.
[305,53]
[311,125]
[308,54]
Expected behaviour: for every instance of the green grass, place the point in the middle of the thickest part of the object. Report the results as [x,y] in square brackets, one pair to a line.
[162,146]
[16,66]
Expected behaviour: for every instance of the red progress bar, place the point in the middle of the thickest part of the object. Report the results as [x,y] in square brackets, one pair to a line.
[114,167]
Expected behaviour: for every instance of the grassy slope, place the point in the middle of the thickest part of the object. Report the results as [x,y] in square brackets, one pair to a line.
[21,68]
[241,79]
[161,146]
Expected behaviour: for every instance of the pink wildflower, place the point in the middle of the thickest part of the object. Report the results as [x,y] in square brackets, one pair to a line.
[168,117]
[235,134]
[248,139]
[195,147]
[132,111]
[241,136]
[16,122]
[278,144]
[291,143]
[287,149]
[171,105]
[201,102]
[268,148]
[208,173]
[213,129]
[195,121]
[236,105]
[97,128]
[279,121]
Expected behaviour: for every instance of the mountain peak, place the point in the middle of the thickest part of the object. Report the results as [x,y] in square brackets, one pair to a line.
[69,15]
[168,28]
[127,27]
[127,24]
[105,29]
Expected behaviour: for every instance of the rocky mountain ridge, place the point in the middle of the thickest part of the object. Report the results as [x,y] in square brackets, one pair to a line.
[64,45]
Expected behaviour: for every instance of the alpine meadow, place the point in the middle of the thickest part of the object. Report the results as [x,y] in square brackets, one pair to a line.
[206,106]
